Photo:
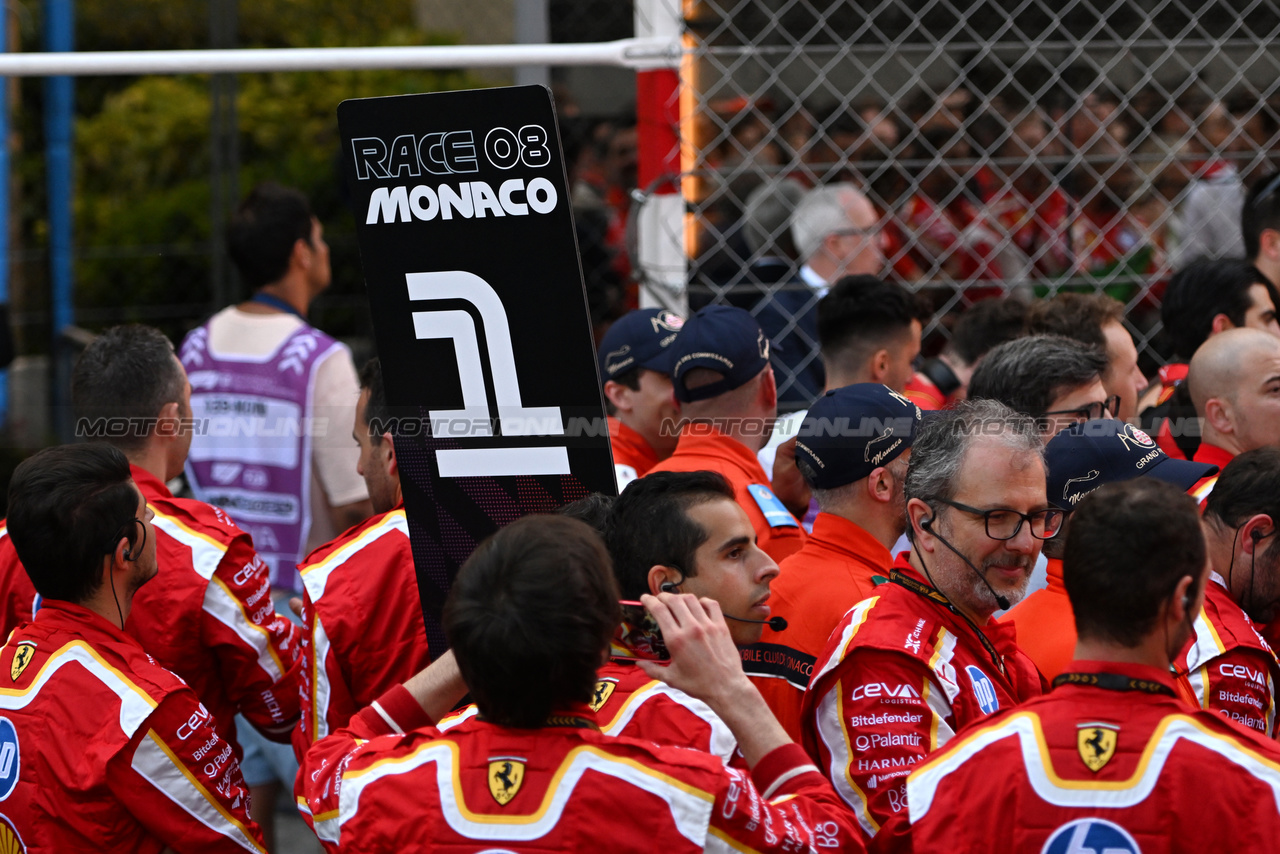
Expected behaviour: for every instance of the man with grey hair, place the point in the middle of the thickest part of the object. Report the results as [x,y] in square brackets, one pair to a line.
[836,231]
[1055,380]
[910,666]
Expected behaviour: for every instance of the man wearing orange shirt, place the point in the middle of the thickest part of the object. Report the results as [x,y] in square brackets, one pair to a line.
[725,386]
[1083,458]
[852,450]
[1235,385]
[635,367]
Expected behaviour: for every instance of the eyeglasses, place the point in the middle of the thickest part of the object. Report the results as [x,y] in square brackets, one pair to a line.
[1005,524]
[1094,410]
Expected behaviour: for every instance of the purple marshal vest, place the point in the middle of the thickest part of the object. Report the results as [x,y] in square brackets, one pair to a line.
[251,454]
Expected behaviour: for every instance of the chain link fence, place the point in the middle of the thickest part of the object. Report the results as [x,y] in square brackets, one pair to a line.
[1009,146]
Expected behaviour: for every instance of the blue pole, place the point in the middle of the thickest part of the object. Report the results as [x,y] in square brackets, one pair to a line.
[58,112]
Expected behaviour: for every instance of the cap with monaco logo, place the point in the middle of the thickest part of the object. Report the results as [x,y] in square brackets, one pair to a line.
[720,338]
[639,339]
[1094,453]
[850,432]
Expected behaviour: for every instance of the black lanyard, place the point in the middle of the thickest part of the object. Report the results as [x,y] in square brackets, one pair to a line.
[1113,682]
[933,595]
[276,302]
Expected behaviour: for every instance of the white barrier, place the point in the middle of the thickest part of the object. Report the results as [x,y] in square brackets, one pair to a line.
[638,54]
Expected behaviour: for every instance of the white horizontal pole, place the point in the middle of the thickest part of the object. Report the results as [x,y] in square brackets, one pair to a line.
[639,54]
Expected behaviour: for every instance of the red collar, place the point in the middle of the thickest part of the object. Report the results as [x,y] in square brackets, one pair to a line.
[1134,671]
[902,563]
[68,616]
[1173,373]
[839,534]
[1213,455]
[569,716]
[150,485]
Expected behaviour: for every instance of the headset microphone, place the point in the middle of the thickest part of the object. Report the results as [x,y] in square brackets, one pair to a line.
[778,624]
[927,525]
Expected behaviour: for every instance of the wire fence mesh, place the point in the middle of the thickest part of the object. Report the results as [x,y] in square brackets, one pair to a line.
[1008,146]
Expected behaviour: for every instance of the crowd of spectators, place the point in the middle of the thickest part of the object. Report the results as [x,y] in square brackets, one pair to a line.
[977,186]
[973,188]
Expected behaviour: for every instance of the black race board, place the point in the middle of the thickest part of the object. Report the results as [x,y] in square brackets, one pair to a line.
[480,316]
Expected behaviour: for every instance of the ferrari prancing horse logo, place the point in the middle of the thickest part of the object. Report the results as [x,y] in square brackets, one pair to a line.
[1096,743]
[600,696]
[506,773]
[21,658]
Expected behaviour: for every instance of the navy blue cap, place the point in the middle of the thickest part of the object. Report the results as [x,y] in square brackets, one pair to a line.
[1094,453]
[639,339]
[850,432]
[723,339]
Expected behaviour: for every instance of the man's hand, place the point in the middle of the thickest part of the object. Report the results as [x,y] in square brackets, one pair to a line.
[788,483]
[707,666]
[704,662]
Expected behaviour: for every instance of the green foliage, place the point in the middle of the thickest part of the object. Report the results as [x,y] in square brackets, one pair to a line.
[143,156]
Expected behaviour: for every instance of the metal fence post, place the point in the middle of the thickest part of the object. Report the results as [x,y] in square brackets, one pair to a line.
[59,18]
[532,27]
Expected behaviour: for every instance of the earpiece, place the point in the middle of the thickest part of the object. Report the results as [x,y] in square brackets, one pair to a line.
[668,587]
[926,524]
[1255,535]
[128,553]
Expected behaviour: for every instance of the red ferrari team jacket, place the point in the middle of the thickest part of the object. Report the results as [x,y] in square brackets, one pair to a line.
[102,749]
[207,615]
[562,787]
[1227,667]
[1089,768]
[901,674]
[364,629]
[627,702]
